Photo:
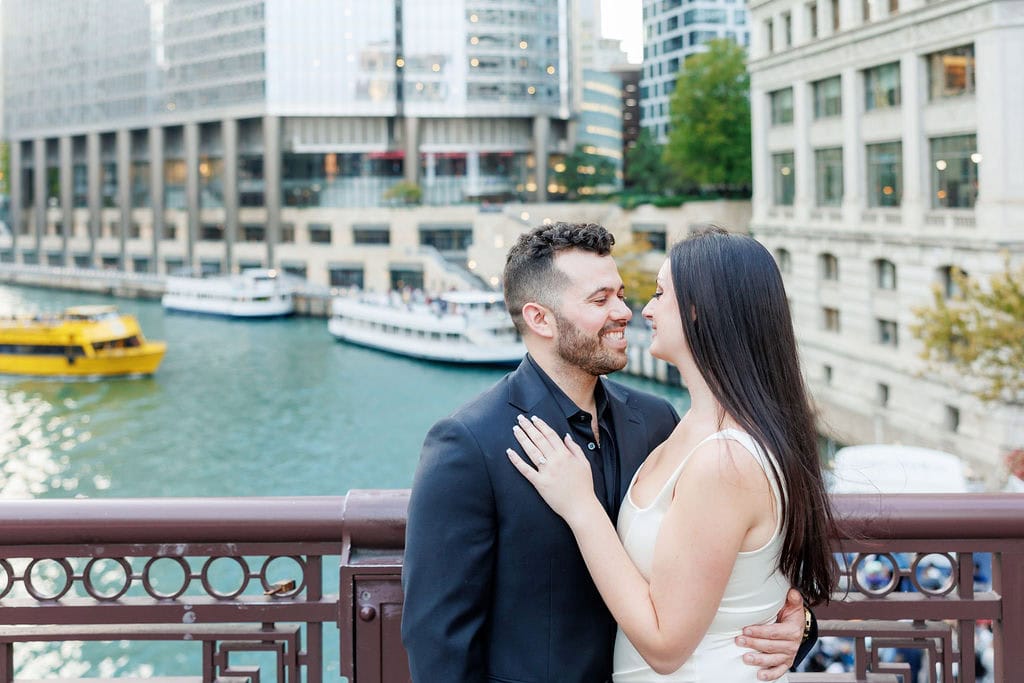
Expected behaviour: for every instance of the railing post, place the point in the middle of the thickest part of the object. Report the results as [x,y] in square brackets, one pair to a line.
[1008,582]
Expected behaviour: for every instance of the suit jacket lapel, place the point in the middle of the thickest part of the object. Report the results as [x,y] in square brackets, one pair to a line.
[630,434]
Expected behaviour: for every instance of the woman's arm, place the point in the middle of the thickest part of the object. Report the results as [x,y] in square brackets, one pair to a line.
[714,505]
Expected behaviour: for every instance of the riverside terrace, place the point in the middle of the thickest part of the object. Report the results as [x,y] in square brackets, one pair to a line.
[57,558]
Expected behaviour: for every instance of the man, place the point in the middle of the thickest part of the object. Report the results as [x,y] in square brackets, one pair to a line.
[495,588]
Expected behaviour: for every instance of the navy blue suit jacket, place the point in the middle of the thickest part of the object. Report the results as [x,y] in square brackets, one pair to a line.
[495,587]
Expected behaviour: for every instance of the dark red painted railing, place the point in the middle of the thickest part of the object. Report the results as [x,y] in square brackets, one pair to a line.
[241,575]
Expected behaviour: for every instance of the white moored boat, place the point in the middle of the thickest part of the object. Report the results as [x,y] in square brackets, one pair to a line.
[253,293]
[457,327]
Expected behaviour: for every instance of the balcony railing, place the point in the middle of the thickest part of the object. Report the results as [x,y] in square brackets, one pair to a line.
[258,574]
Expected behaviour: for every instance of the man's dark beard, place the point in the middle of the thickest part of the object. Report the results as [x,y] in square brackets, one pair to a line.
[585,353]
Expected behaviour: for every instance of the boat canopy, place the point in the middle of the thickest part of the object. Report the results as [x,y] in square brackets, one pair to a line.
[882,468]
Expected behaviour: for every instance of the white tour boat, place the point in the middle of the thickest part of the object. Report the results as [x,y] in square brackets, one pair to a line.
[457,327]
[253,293]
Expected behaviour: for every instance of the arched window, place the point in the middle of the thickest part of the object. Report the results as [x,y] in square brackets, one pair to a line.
[885,274]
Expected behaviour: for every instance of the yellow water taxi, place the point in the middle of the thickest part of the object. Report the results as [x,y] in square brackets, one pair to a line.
[83,341]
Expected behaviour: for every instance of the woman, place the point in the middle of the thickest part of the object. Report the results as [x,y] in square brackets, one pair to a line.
[731,510]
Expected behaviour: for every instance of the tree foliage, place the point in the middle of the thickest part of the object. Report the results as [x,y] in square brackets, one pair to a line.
[639,274]
[645,170]
[709,139]
[5,166]
[404,192]
[980,332]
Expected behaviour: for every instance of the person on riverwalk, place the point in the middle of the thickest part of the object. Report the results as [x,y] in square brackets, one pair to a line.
[730,512]
[495,587]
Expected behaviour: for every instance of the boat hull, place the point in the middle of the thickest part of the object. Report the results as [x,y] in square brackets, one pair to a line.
[267,309]
[141,360]
[504,355]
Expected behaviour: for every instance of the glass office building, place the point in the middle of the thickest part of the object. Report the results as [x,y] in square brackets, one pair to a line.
[141,124]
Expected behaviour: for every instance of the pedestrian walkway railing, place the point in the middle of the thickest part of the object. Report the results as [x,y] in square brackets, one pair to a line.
[237,575]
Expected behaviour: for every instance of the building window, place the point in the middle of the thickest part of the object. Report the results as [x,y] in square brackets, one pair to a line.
[952,418]
[947,277]
[812,20]
[784,185]
[885,174]
[173,265]
[828,176]
[826,373]
[140,264]
[784,259]
[319,233]
[883,395]
[865,10]
[828,97]
[951,72]
[253,232]
[297,269]
[955,172]
[828,267]
[287,233]
[371,234]
[769,32]
[782,106]
[350,275]
[894,6]
[211,232]
[830,319]
[402,278]
[885,274]
[835,15]
[651,233]
[882,87]
[888,333]
[787,29]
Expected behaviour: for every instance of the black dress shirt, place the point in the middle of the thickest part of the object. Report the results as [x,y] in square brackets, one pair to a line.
[602,453]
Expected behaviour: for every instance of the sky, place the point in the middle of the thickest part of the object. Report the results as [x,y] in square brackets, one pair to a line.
[623,19]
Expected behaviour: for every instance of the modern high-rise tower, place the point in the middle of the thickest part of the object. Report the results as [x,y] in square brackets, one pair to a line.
[674,30]
[154,132]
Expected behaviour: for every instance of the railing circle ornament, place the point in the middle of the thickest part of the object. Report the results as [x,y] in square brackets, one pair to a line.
[300,585]
[919,565]
[861,563]
[208,585]
[8,578]
[147,581]
[91,588]
[30,586]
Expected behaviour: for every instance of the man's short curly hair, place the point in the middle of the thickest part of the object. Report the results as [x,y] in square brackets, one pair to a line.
[530,272]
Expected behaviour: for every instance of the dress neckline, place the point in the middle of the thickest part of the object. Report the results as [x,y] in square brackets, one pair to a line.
[675,473]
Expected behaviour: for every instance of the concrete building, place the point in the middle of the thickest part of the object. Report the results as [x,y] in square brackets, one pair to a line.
[674,30]
[888,151]
[153,134]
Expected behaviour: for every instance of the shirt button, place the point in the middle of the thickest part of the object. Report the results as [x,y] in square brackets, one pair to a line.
[591,446]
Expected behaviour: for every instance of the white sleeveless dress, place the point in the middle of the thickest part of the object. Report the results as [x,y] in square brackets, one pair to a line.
[755,593]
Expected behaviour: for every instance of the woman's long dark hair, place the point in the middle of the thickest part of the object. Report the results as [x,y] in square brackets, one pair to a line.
[737,322]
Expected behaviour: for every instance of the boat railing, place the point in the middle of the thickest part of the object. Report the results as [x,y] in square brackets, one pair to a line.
[232,575]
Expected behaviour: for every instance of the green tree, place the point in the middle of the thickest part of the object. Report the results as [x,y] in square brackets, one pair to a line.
[709,138]
[979,331]
[585,170]
[645,170]
[638,270]
[5,167]
[404,192]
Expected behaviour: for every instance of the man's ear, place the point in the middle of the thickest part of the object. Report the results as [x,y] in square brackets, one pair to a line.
[539,319]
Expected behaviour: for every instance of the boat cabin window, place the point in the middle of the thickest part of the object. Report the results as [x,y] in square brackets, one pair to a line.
[41,350]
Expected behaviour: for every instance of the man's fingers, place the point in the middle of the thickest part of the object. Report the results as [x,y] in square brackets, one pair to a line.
[780,631]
